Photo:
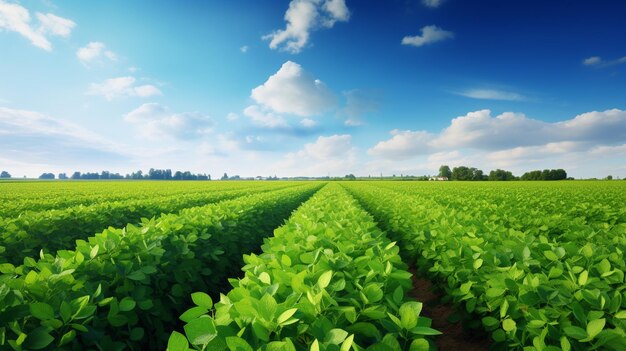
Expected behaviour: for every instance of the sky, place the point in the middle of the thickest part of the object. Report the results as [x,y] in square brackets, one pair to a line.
[313,87]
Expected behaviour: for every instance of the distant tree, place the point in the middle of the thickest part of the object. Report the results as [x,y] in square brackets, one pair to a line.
[546,174]
[500,175]
[5,174]
[350,177]
[444,171]
[105,175]
[75,175]
[47,176]
[466,173]
[62,176]
[225,176]
[609,177]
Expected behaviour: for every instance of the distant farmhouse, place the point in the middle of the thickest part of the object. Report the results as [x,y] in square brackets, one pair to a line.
[438,178]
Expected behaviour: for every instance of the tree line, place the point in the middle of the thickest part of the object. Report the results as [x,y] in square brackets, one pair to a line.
[471,173]
[153,174]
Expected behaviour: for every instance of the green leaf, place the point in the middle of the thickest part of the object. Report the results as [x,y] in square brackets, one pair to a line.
[202,299]
[236,343]
[193,313]
[594,327]
[41,311]
[621,314]
[565,344]
[200,331]
[67,337]
[373,293]
[177,342]
[127,304]
[425,331]
[419,345]
[265,278]
[575,332]
[409,312]
[478,263]
[324,279]
[490,321]
[38,339]
[347,344]
[94,251]
[336,336]
[315,346]
[582,278]
[286,315]
[508,325]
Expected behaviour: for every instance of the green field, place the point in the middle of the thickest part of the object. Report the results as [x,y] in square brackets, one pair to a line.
[150,265]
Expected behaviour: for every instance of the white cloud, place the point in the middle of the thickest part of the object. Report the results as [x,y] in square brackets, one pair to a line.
[492,94]
[432,3]
[303,17]
[122,87]
[594,60]
[264,119]
[40,141]
[403,144]
[597,61]
[291,90]
[333,155]
[231,116]
[430,34]
[94,51]
[510,132]
[156,121]
[16,18]
[244,49]
[308,123]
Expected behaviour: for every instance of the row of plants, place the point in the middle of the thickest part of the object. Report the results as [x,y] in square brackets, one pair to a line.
[123,288]
[27,234]
[328,279]
[529,288]
[19,197]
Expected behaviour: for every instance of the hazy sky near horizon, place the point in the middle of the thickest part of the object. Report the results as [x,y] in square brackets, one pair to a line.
[312,87]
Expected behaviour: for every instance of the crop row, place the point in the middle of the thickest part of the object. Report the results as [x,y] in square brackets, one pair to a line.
[122,288]
[19,197]
[529,287]
[328,279]
[53,230]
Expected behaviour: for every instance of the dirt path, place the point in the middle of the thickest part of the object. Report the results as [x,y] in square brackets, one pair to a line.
[454,337]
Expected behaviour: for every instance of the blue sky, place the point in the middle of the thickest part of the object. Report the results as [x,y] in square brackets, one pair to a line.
[313,87]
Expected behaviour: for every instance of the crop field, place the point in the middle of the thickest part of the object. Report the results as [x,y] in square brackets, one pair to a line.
[310,265]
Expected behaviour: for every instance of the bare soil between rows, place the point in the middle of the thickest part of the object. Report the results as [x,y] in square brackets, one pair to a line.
[454,336]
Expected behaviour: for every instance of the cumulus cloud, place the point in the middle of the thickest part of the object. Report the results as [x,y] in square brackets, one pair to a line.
[94,51]
[303,17]
[509,131]
[122,87]
[403,144]
[308,123]
[430,34]
[492,94]
[16,18]
[37,139]
[292,90]
[156,121]
[244,49]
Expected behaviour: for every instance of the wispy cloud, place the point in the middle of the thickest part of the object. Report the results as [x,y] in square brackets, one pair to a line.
[430,34]
[156,121]
[597,61]
[16,18]
[492,94]
[94,51]
[122,87]
[432,3]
